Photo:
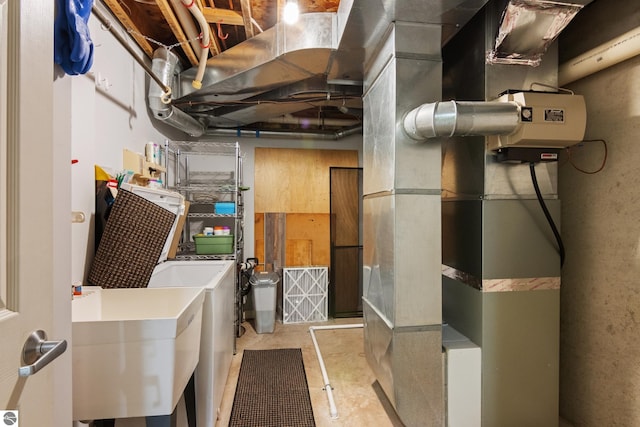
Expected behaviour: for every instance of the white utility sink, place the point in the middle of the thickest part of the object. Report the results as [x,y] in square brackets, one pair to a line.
[134,350]
[217,278]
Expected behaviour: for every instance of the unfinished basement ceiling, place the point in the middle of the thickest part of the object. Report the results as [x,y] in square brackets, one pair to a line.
[264,75]
[303,107]
[231,22]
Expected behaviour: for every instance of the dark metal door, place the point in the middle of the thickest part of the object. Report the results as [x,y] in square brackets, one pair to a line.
[345,287]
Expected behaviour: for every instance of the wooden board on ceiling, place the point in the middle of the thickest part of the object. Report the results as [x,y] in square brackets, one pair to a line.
[265,12]
[296,180]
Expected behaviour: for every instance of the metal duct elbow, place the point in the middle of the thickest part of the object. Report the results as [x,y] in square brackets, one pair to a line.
[180,120]
[453,118]
[164,65]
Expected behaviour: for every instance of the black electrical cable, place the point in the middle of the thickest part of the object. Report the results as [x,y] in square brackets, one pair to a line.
[546,213]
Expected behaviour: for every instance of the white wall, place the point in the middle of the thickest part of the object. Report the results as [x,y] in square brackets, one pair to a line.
[107,113]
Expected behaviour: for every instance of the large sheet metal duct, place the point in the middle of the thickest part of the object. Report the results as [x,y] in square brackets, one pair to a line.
[402,302]
[266,76]
[274,73]
[401,250]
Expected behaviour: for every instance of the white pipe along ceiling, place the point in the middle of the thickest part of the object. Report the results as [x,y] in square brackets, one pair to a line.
[606,55]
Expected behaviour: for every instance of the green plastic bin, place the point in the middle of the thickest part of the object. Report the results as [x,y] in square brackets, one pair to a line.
[213,245]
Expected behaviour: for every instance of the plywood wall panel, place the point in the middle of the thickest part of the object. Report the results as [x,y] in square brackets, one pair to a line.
[306,242]
[299,252]
[315,228]
[258,251]
[275,228]
[296,180]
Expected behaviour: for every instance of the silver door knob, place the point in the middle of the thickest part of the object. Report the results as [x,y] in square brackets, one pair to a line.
[38,352]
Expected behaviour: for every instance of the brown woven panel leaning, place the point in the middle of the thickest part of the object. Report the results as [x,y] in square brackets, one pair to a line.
[131,244]
[272,390]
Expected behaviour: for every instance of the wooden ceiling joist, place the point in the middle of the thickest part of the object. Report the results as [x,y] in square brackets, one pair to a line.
[126,21]
[280,9]
[246,17]
[214,46]
[222,16]
[177,30]
[153,23]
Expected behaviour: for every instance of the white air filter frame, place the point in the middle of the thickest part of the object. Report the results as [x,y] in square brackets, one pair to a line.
[304,294]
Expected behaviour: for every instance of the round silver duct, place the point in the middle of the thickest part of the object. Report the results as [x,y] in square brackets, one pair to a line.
[164,66]
[461,118]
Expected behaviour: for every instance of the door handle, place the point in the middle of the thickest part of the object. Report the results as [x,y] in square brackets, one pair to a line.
[38,352]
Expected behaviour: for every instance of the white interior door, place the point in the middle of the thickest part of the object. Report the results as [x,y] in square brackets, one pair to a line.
[29,270]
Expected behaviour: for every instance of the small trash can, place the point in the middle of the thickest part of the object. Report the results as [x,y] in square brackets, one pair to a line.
[263,284]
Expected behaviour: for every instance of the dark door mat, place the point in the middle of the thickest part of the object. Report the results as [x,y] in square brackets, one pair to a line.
[272,390]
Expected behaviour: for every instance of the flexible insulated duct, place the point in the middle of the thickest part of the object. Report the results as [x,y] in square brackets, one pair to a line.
[461,118]
[163,66]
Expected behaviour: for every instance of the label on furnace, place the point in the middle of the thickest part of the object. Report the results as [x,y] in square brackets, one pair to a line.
[554,115]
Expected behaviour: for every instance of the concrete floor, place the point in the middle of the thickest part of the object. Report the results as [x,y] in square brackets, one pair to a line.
[358,398]
[356,392]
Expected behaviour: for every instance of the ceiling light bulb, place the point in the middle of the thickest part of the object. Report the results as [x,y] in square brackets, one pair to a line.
[291,12]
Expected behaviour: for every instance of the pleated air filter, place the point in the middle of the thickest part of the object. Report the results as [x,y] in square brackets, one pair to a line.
[304,294]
